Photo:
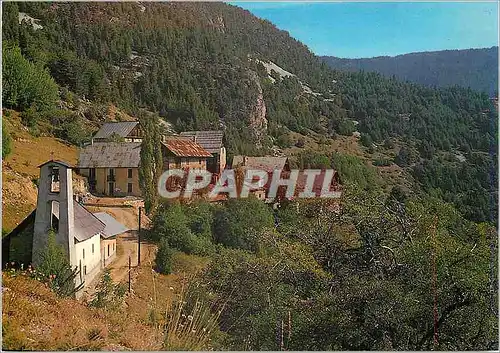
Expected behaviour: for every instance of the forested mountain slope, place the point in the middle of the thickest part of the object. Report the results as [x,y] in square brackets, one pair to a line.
[210,65]
[302,276]
[474,68]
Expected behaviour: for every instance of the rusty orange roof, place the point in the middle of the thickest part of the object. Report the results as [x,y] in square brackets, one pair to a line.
[183,147]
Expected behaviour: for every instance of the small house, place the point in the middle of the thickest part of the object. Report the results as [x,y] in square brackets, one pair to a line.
[212,142]
[182,153]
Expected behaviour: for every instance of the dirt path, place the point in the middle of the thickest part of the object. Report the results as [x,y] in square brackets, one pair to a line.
[126,245]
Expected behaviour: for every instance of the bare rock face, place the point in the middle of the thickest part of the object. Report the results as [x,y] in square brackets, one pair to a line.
[258,120]
[79,184]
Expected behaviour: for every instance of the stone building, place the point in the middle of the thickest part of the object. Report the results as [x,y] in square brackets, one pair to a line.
[76,229]
[112,168]
[212,142]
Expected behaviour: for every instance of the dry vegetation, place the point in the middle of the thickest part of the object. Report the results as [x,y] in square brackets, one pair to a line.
[20,169]
[35,319]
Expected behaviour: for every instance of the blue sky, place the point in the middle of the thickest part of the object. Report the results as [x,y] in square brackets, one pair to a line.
[354,29]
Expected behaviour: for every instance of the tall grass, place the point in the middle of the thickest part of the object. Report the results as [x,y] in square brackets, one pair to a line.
[188,321]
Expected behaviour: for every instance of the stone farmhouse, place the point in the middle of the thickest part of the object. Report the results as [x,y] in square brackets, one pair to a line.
[212,142]
[111,161]
[111,168]
[270,164]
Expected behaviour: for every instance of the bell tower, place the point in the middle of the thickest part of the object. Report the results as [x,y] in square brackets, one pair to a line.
[54,209]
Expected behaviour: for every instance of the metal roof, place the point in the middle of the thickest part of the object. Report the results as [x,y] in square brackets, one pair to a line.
[113,227]
[120,128]
[110,155]
[86,225]
[269,164]
[183,147]
[210,140]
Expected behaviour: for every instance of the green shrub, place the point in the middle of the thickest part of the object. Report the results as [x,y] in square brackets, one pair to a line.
[55,268]
[382,162]
[366,140]
[163,261]
[284,140]
[30,117]
[346,127]
[238,223]
[108,295]
[171,223]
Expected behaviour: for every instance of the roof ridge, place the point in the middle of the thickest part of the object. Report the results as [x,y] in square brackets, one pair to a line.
[75,202]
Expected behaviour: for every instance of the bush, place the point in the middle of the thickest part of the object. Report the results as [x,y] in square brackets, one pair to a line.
[346,127]
[382,162]
[163,261]
[75,132]
[237,224]
[108,295]
[406,157]
[31,116]
[284,140]
[55,268]
[170,223]
[366,140]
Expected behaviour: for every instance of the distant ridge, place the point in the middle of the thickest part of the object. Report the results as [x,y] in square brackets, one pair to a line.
[474,68]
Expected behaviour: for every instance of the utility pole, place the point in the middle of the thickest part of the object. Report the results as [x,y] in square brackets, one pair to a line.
[139,239]
[129,270]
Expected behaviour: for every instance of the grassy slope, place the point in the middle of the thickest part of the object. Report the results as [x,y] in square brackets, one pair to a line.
[19,193]
[33,318]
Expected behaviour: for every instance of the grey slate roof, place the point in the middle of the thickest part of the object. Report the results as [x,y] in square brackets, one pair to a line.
[113,227]
[209,140]
[56,161]
[110,155]
[85,223]
[269,164]
[120,128]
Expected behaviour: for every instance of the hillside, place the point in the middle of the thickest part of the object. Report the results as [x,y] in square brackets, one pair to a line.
[474,68]
[20,169]
[34,318]
[418,167]
[210,66]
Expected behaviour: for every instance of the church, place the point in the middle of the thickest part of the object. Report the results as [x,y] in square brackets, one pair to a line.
[88,239]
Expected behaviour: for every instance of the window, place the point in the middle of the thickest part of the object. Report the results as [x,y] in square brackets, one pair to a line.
[84,270]
[92,248]
[113,246]
[129,173]
[129,188]
[199,160]
[84,254]
[54,176]
[108,249]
